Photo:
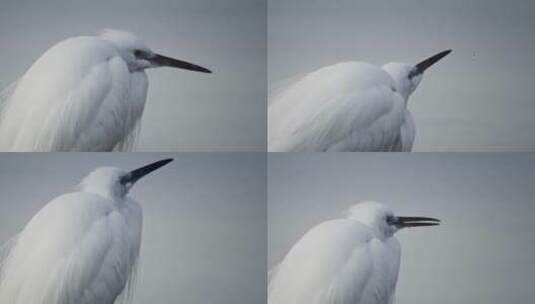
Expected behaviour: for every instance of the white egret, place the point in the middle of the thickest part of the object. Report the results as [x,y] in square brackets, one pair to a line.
[80,248]
[354,260]
[349,106]
[85,93]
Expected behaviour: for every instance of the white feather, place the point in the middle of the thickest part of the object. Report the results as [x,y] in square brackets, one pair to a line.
[339,261]
[351,106]
[81,248]
[4,96]
[278,88]
[342,261]
[408,132]
[80,95]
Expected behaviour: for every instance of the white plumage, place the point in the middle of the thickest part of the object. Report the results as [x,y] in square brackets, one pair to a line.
[350,106]
[354,260]
[84,94]
[81,248]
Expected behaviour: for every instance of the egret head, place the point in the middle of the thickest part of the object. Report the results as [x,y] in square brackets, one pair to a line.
[383,220]
[114,183]
[408,76]
[139,56]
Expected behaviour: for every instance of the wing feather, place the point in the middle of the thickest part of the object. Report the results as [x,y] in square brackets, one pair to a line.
[5,95]
[277,89]
[5,249]
[132,112]
[408,132]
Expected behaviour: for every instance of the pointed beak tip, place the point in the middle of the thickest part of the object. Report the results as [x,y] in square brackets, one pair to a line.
[442,54]
[161,163]
[201,69]
[447,52]
[167,160]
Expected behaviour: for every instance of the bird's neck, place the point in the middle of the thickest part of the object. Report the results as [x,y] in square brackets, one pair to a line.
[403,89]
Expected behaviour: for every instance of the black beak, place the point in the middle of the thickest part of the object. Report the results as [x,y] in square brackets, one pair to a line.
[161,60]
[415,221]
[134,175]
[424,65]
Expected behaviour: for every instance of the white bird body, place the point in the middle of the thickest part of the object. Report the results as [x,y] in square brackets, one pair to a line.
[85,93]
[339,261]
[87,223]
[350,106]
[354,260]
[80,248]
[90,91]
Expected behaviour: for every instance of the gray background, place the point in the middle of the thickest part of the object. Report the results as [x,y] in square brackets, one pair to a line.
[204,226]
[479,98]
[224,111]
[484,251]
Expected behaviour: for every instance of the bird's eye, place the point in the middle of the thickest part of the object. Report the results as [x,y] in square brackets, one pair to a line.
[390,219]
[138,53]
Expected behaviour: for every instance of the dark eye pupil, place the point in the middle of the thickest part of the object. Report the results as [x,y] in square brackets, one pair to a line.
[138,53]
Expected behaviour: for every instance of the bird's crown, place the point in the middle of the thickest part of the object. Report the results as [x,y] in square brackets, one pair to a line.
[122,39]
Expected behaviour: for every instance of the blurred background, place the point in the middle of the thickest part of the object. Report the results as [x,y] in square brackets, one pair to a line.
[204,218]
[479,98]
[484,249]
[185,111]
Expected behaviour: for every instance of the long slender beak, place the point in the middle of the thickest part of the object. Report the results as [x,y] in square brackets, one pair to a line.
[424,65]
[134,175]
[415,221]
[162,60]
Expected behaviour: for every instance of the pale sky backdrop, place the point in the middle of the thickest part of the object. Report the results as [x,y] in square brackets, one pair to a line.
[224,111]
[484,250]
[204,226]
[479,98]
